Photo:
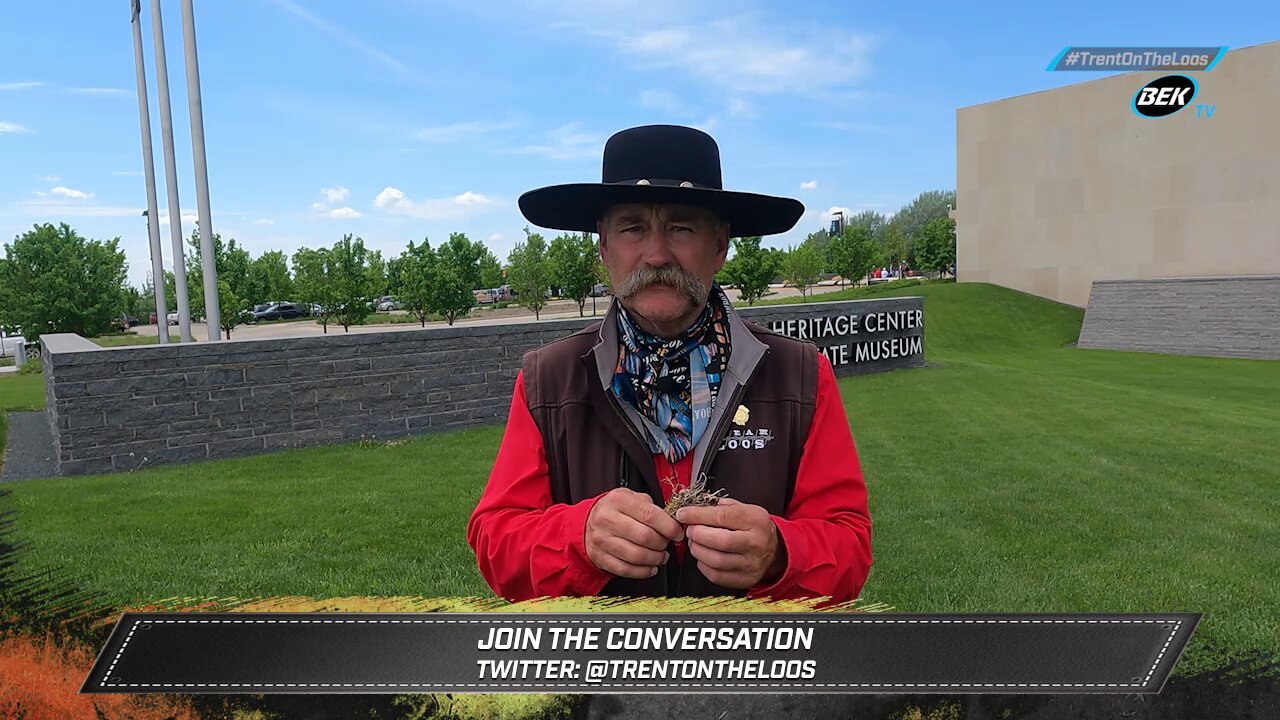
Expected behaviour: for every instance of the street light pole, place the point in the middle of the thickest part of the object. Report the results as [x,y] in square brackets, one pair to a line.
[149,172]
[208,263]
[171,176]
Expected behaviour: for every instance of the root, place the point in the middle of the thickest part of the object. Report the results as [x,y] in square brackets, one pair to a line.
[688,497]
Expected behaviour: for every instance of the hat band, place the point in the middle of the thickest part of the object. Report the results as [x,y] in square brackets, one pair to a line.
[664,182]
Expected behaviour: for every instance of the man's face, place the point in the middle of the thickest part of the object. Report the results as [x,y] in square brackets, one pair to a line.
[662,260]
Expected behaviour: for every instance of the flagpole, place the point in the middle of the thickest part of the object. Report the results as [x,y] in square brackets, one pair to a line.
[171,176]
[149,171]
[212,304]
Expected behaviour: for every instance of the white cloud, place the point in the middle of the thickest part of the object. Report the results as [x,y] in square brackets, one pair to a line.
[741,108]
[20,85]
[708,125]
[106,92]
[859,127]
[810,185]
[344,213]
[128,173]
[351,41]
[67,192]
[336,195]
[61,208]
[187,217]
[822,218]
[567,142]
[393,200]
[12,127]
[51,178]
[463,131]
[663,101]
[742,53]
[496,238]
[264,221]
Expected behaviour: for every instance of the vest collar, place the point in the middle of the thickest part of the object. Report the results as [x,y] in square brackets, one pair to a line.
[745,354]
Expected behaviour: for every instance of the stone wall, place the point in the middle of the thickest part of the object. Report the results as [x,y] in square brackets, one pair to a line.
[1218,317]
[132,407]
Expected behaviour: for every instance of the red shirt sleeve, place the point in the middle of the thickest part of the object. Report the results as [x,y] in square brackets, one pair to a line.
[526,546]
[827,528]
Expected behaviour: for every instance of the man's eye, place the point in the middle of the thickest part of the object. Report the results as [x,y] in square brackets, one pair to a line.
[632,228]
[682,228]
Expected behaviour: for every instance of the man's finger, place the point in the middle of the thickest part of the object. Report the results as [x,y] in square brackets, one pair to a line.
[632,553]
[621,568]
[724,579]
[655,517]
[717,538]
[637,532]
[718,560]
[732,517]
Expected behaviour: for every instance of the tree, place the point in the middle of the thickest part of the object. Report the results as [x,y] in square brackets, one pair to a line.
[751,269]
[311,278]
[131,302]
[912,219]
[854,253]
[231,262]
[802,267]
[54,280]
[451,296]
[348,274]
[464,256]
[936,248]
[490,271]
[415,276]
[873,221]
[895,248]
[822,241]
[571,266]
[376,275]
[269,279]
[231,307]
[528,272]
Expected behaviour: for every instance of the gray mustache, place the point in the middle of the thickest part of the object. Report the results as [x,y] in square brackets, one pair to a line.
[669,275]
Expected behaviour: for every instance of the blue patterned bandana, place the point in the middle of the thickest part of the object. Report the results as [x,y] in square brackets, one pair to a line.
[674,383]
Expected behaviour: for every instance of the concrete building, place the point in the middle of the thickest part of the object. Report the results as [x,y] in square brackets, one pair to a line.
[1059,189]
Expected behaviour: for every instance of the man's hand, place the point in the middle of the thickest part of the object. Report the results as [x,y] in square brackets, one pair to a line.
[736,545]
[627,535]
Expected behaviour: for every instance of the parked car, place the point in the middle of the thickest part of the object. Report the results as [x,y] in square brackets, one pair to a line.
[280,311]
[172,318]
[388,303]
[599,290]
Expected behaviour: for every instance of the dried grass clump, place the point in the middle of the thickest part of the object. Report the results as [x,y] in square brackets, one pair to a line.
[692,497]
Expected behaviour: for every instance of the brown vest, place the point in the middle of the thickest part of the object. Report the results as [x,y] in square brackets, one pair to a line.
[593,446]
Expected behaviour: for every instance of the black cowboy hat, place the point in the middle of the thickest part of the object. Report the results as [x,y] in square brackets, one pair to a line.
[659,164]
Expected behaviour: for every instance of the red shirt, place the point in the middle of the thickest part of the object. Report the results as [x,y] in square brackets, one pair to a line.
[528,547]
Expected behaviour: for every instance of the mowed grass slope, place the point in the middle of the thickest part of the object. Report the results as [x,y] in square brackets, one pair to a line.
[1015,473]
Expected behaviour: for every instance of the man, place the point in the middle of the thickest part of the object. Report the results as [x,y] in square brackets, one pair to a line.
[607,424]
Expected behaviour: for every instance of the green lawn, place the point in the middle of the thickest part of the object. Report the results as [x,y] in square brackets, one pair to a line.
[1015,473]
[18,393]
[21,392]
[132,339]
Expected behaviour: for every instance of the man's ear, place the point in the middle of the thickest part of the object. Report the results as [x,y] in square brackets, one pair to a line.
[601,245]
[722,242]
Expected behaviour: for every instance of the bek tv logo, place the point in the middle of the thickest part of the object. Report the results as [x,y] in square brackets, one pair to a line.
[1165,96]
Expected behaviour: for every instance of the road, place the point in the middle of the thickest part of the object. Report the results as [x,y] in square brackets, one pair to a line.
[555,310]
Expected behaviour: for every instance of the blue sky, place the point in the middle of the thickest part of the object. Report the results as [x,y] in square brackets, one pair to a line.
[402,119]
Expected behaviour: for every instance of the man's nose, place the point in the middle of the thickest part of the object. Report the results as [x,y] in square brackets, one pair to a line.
[656,250]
